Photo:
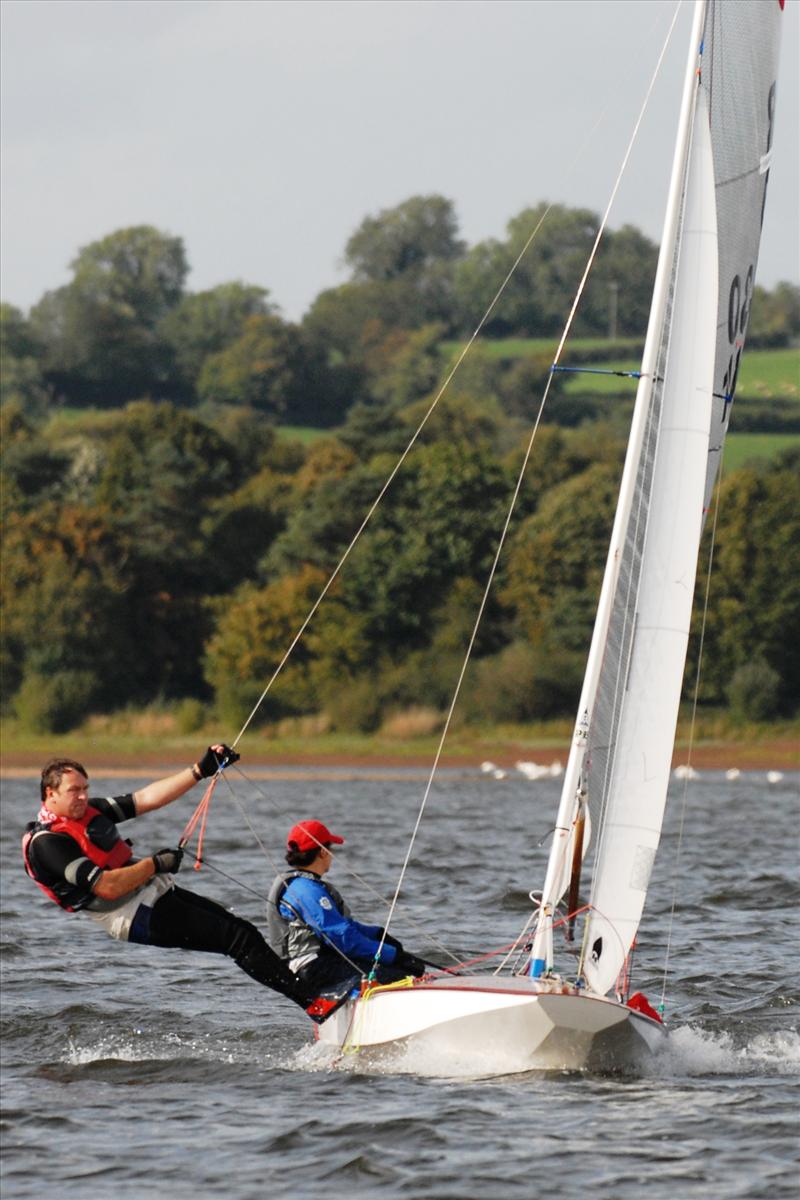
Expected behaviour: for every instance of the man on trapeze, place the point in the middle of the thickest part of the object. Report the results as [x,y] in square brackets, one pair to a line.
[310,927]
[74,852]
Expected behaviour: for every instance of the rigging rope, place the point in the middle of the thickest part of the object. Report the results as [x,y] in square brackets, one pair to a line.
[391,477]
[597,371]
[482,322]
[515,495]
[628,610]
[204,862]
[200,814]
[348,869]
[528,451]
[468,654]
[320,933]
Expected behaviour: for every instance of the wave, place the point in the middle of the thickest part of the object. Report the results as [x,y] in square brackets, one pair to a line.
[691,1051]
[688,1052]
[142,1046]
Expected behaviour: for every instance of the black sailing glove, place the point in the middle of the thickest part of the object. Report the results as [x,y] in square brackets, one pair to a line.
[211,762]
[409,963]
[167,862]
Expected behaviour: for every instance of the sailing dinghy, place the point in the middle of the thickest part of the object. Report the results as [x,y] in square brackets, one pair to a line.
[619,764]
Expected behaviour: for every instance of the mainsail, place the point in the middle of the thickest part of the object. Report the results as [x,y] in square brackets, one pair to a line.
[621,755]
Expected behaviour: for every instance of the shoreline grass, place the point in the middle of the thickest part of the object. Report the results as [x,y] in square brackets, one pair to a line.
[154,736]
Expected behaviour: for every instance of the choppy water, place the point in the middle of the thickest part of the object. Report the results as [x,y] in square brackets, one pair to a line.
[150,1072]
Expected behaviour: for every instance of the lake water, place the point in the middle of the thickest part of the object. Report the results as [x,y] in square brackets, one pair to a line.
[136,1072]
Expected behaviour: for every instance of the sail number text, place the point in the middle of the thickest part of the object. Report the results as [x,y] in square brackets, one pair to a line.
[740,295]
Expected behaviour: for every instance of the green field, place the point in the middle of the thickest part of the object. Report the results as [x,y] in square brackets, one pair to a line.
[764,375]
[741,448]
[87,422]
[768,374]
[302,433]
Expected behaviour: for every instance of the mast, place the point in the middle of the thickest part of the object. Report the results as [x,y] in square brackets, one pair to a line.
[559,863]
[573,896]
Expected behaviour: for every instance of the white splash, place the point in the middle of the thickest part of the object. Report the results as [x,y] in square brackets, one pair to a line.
[688,1052]
[692,1051]
[139,1045]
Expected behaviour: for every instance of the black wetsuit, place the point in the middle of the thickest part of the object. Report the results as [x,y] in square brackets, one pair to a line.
[178,919]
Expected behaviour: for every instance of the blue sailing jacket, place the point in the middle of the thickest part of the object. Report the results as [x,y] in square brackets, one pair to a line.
[311,900]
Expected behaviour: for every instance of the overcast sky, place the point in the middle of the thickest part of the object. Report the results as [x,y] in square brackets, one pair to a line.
[263,131]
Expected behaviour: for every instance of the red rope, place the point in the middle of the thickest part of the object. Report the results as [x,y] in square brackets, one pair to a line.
[471,962]
[200,814]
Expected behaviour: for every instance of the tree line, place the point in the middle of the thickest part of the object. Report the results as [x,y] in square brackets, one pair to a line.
[126,328]
[150,555]
[163,542]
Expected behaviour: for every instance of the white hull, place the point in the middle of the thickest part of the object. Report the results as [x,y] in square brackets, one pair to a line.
[496,1025]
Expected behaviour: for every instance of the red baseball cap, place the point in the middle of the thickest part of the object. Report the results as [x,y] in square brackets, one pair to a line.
[311,835]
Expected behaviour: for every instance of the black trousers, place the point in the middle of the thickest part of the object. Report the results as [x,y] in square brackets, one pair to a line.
[330,972]
[185,921]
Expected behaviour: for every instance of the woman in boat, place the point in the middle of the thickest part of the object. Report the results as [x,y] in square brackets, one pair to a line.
[310,926]
[74,852]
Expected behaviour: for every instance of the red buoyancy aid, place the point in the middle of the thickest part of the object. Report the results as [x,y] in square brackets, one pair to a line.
[118,855]
[639,1003]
